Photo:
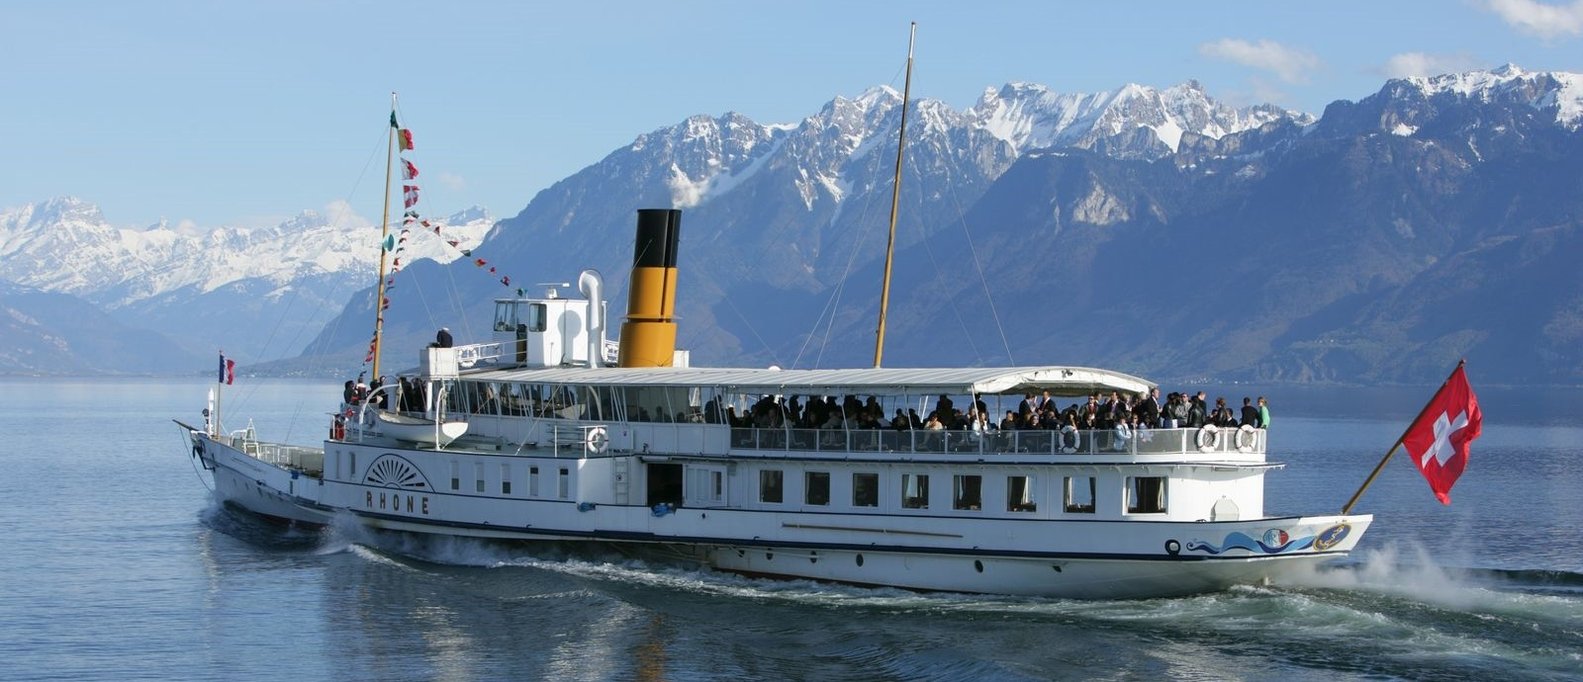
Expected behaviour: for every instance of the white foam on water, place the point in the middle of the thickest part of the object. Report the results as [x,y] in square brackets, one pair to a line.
[1410,571]
[374,556]
[1384,599]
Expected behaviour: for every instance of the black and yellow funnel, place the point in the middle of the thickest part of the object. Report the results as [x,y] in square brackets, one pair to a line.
[648,336]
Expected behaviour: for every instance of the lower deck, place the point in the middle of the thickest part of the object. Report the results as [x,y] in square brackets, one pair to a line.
[1006,528]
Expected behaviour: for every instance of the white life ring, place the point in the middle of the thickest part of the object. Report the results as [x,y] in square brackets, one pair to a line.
[1069,445]
[1208,438]
[596,440]
[1246,431]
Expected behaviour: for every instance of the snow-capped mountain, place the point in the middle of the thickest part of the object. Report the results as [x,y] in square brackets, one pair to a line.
[838,163]
[712,156]
[1440,106]
[1541,90]
[791,207]
[1157,231]
[1032,116]
[1152,230]
[65,245]
[258,293]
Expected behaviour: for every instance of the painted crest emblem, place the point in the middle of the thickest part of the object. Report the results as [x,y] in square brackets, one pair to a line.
[1332,536]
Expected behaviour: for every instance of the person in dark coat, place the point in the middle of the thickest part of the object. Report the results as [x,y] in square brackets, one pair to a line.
[443,337]
[1250,414]
[1196,414]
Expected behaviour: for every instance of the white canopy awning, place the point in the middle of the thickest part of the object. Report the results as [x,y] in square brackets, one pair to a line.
[1060,381]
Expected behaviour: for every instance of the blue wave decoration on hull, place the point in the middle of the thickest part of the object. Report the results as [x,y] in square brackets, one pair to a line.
[1273,542]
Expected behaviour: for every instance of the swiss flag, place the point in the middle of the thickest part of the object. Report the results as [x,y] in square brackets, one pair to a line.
[1438,440]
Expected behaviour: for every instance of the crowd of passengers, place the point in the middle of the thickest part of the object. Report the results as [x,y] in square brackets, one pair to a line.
[1115,412]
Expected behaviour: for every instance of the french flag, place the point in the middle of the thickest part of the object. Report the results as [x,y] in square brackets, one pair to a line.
[227,370]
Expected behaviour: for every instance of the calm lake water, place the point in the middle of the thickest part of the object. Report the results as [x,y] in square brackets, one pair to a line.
[118,566]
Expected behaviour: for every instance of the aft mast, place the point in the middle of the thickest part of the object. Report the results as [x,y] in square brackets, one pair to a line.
[384,238]
[895,199]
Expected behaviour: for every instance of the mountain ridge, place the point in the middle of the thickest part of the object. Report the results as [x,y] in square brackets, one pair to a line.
[1156,231]
[284,280]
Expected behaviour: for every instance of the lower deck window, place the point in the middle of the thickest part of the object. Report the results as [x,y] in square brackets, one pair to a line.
[914,491]
[1079,496]
[770,485]
[865,490]
[967,492]
[1019,494]
[1145,494]
[816,487]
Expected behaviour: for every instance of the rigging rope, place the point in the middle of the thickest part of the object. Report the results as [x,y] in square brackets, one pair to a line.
[983,281]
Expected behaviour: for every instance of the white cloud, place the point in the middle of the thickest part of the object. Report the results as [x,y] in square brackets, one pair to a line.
[1540,19]
[1409,64]
[341,214]
[1289,64]
[452,181]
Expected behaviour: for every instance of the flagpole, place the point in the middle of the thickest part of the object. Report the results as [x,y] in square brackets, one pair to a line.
[895,201]
[219,393]
[384,233]
[1381,466]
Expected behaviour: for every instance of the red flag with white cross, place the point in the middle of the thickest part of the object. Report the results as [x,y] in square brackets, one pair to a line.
[1438,440]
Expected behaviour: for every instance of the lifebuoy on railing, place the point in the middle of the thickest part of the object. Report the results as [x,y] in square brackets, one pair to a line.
[1208,438]
[596,439]
[1069,439]
[1247,437]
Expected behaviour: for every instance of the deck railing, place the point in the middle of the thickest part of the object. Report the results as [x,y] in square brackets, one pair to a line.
[1073,442]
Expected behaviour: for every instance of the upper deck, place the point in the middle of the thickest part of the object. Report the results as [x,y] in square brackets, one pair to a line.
[753,413]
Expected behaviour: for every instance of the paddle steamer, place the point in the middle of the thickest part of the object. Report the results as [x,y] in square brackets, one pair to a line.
[551,432]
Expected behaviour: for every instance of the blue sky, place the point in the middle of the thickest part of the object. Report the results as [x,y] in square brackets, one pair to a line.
[231,113]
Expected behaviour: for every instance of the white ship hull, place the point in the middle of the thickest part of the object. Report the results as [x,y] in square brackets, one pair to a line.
[273,489]
[1043,556]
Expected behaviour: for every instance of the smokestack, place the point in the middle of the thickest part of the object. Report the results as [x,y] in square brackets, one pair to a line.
[648,336]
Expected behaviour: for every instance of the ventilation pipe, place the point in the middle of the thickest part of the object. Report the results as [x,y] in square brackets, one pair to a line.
[593,288]
[648,336]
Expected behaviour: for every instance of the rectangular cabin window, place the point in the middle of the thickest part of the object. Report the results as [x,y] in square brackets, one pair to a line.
[565,487]
[538,316]
[865,490]
[914,491]
[816,487]
[505,316]
[1145,494]
[351,469]
[478,477]
[533,481]
[1019,494]
[505,479]
[456,475]
[770,485]
[705,485]
[1079,496]
[967,492]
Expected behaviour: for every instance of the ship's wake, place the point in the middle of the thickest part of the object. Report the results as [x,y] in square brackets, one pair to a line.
[1417,617]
